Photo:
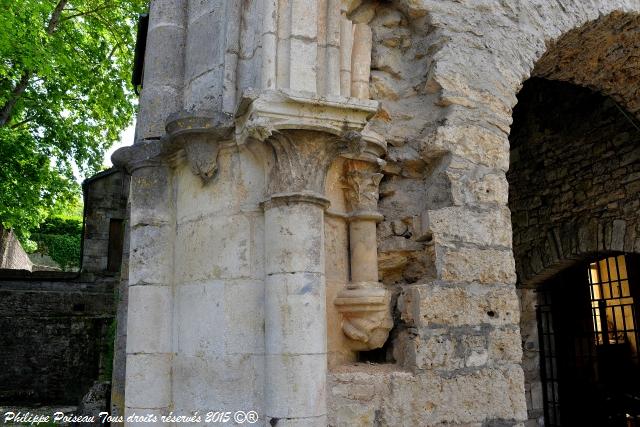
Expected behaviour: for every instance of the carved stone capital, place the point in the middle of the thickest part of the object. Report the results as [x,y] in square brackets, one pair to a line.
[366,312]
[200,134]
[301,159]
[362,183]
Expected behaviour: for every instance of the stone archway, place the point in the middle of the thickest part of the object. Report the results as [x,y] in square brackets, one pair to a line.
[574,192]
[573,182]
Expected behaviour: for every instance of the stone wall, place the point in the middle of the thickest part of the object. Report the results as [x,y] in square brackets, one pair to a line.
[105,199]
[574,178]
[52,332]
[447,74]
[12,256]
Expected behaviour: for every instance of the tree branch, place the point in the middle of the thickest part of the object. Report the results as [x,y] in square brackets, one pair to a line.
[87,12]
[23,122]
[55,16]
[21,86]
[16,93]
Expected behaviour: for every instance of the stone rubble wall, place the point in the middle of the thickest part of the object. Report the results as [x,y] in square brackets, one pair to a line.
[52,334]
[12,256]
[574,178]
[447,73]
[54,325]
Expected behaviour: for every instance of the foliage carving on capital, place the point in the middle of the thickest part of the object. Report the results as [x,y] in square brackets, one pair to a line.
[362,183]
[302,159]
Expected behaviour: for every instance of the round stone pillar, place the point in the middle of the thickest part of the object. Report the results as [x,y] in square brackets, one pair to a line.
[364,303]
[295,288]
[163,67]
[295,312]
[149,347]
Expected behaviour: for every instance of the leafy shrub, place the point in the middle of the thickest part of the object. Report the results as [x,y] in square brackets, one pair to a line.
[64,249]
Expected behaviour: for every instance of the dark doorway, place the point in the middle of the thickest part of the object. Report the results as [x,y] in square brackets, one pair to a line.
[588,330]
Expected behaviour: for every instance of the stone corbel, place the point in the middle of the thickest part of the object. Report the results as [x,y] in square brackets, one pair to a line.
[366,315]
[365,302]
[200,135]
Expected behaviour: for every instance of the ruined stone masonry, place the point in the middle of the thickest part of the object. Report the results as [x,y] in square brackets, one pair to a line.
[320,223]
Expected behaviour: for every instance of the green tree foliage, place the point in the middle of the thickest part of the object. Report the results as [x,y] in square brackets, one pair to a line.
[62,248]
[60,238]
[64,98]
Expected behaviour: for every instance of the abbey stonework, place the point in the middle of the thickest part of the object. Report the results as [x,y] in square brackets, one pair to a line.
[385,213]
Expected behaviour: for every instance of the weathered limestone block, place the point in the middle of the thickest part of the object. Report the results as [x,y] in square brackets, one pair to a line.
[479,145]
[475,265]
[461,224]
[228,257]
[233,374]
[150,249]
[465,347]
[485,394]
[152,331]
[200,328]
[146,386]
[470,304]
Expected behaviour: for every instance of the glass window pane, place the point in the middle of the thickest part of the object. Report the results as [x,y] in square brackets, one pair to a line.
[622,267]
[602,269]
[613,270]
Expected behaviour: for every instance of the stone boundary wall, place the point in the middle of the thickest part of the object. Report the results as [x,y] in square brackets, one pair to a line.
[53,334]
[12,256]
[53,325]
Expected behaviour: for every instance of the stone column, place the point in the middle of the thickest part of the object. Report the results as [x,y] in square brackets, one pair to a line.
[365,302]
[163,67]
[149,346]
[300,131]
[295,307]
[361,61]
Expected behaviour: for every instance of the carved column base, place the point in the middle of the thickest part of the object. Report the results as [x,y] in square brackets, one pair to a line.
[366,312]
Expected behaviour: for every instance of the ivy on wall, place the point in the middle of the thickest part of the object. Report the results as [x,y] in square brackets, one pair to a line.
[60,238]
